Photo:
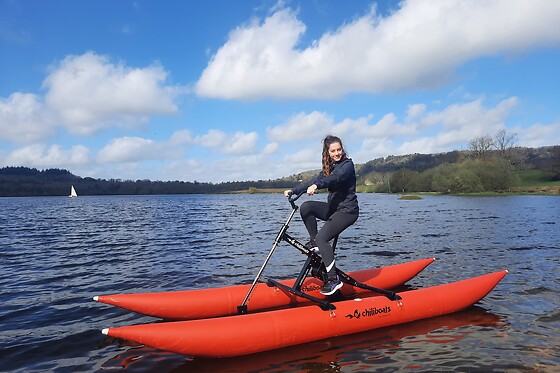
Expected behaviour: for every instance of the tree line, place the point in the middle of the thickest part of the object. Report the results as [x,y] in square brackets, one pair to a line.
[468,176]
[490,164]
[23,181]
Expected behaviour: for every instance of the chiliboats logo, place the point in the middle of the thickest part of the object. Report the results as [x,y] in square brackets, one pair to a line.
[309,288]
[369,312]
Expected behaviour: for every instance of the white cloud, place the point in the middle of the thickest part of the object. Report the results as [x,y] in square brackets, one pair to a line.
[187,170]
[240,168]
[387,126]
[423,131]
[457,124]
[302,126]
[41,156]
[416,47]
[372,148]
[539,135]
[427,131]
[85,94]
[424,145]
[133,149]
[415,111]
[263,49]
[271,148]
[181,137]
[305,157]
[89,93]
[305,126]
[239,143]
[24,119]
[212,139]
[472,116]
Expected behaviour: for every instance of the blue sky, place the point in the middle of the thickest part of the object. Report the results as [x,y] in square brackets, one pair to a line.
[227,90]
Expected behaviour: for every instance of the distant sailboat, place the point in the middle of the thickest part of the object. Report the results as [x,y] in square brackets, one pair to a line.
[73,193]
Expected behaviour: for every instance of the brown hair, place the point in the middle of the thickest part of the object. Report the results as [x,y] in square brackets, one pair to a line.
[327,163]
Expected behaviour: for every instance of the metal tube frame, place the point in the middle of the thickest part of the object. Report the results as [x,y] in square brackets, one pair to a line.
[312,264]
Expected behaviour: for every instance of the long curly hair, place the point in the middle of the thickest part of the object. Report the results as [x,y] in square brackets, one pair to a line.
[327,162]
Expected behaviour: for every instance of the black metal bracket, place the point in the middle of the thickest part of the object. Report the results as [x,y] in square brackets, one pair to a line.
[315,265]
[346,278]
[324,304]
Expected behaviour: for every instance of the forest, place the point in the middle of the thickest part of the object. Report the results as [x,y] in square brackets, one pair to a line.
[23,181]
[484,167]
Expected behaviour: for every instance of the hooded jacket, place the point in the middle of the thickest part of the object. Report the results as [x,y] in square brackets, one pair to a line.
[341,184]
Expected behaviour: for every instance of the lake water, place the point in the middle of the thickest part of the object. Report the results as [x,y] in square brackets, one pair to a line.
[57,253]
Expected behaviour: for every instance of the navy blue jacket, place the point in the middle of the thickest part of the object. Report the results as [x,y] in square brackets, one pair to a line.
[341,184]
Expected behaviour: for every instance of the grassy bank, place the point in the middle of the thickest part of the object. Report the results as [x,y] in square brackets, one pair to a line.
[535,182]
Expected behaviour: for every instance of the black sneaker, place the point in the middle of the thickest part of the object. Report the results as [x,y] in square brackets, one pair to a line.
[331,286]
[312,246]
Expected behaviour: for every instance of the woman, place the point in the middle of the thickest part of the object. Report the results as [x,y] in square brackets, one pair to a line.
[339,212]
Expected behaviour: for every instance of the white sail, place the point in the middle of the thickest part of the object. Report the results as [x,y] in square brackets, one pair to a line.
[73,193]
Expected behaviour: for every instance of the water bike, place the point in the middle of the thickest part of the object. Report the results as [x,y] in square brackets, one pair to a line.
[244,319]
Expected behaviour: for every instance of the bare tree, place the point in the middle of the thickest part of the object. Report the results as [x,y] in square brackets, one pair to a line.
[481,146]
[504,142]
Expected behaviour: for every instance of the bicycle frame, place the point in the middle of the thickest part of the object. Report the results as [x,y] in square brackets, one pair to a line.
[312,264]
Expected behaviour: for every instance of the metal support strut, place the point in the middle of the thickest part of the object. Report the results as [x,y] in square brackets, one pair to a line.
[312,264]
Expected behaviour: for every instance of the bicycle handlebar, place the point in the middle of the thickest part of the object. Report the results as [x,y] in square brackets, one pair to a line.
[294,197]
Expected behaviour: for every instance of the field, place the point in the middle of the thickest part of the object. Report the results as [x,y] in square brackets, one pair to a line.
[534,182]
[535,178]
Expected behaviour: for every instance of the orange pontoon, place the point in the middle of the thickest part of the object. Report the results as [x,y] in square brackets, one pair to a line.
[251,333]
[206,303]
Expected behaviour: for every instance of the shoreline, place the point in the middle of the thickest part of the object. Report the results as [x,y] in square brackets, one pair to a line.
[515,191]
[365,189]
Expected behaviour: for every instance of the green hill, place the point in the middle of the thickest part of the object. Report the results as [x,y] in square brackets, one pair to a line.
[532,168]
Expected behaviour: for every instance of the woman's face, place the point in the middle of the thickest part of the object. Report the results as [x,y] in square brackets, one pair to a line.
[335,151]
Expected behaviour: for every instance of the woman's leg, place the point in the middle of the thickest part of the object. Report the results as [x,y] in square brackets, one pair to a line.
[334,225]
[311,211]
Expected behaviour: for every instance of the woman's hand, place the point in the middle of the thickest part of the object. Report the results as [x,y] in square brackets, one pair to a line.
[311,190]
[288,193]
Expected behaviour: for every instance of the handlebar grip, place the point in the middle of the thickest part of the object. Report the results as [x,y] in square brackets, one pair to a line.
[292,199]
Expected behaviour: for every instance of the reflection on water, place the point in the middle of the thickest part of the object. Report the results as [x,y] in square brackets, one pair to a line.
[57,252]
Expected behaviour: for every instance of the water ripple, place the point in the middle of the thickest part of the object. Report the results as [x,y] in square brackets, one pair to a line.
[56,253]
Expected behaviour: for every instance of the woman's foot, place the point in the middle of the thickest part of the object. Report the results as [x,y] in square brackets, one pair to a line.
[331,285]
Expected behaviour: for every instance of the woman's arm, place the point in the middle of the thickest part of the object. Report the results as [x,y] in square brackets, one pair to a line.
[305,186]
[344,172]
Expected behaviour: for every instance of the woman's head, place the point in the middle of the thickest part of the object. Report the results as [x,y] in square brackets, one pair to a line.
[333,152]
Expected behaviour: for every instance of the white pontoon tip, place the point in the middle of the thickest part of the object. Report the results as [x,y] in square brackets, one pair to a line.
[507,271]
[105,331]
[96,298]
